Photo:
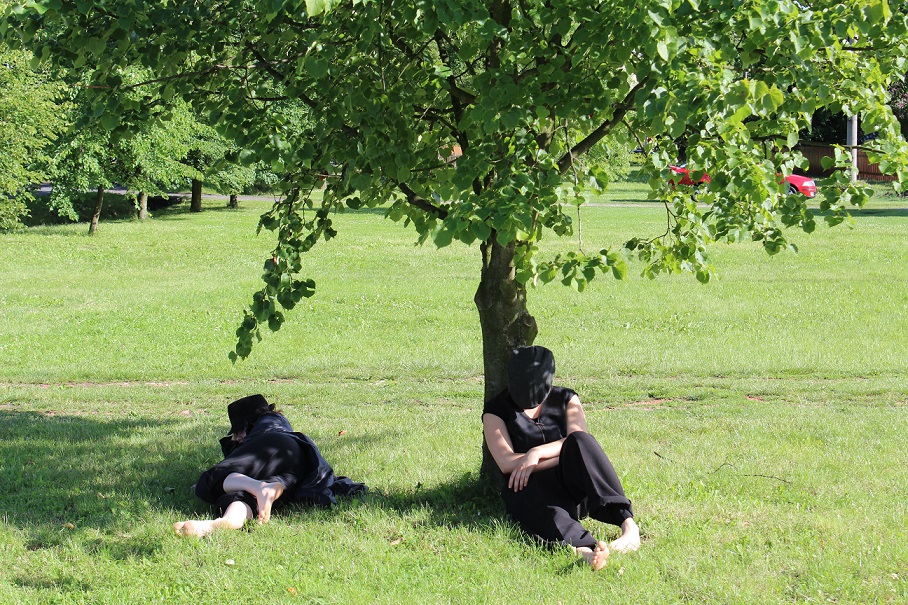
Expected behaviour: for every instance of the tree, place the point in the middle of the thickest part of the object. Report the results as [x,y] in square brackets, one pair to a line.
[392,88]
[169,149]
[29,123]
[209,156]
[898,92]
[87,156]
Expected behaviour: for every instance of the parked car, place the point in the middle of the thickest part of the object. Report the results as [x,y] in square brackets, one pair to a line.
[796,183]
[801,184]
[682,171]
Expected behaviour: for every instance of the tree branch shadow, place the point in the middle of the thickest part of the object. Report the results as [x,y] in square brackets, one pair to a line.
[61,473]
[460,502]
[108,481]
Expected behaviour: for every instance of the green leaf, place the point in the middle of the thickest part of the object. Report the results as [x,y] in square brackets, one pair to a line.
[481,230]
[773,99]
[315,7]
[879,12]
[110,121]
[662,49]
[443,236]
[316,67]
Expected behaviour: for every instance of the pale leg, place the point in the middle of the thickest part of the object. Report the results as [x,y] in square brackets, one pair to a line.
[234,518]
[266,493]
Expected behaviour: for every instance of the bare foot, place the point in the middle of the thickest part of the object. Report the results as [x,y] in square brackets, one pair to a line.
[265,496]
[600,556]
[630,537]
[195,529]
[596,558]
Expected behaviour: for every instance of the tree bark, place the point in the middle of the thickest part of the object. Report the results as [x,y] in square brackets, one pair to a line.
[506,324]
[99,203]
[143,205]
[234,201]
[195,204]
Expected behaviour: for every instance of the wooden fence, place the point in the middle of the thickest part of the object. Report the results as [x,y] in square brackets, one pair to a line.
[815,152]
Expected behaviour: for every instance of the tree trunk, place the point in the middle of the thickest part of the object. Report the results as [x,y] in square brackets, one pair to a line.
[99,203]
[195,204]
[234,201]
[143,205]
[506,324]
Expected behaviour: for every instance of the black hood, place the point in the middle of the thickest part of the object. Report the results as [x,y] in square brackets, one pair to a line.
[531,371]
[243,412]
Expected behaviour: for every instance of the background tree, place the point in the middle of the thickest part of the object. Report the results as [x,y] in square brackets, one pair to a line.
[899,101]
[29,123]
[88,157]
[152,155]
[524,90]
[209,159]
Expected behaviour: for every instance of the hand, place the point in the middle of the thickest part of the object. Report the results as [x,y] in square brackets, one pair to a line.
[520,476]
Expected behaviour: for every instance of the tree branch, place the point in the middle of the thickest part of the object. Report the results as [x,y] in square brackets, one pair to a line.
[414,199]
[564,164]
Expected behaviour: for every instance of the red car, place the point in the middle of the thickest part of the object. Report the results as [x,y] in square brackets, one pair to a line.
[796,183]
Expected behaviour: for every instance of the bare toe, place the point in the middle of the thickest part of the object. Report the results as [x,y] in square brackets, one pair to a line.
[195,529]
[600,556]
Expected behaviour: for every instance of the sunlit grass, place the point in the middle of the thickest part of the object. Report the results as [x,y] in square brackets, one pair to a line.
[757,422]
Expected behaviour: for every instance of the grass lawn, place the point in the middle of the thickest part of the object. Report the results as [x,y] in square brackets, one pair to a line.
[758,423]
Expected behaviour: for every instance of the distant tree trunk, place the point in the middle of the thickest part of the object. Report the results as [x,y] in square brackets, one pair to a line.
[234,201]
[195,204]
[99,203]
[506,324]
[143,205]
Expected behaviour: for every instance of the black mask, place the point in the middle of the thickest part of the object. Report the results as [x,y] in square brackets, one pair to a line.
[531,371]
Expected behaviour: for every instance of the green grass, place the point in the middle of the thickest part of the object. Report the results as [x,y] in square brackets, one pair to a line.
[757,422]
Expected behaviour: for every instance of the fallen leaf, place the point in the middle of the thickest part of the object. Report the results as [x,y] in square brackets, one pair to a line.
[396,541]
[342,433]
[291,590]
[69,526]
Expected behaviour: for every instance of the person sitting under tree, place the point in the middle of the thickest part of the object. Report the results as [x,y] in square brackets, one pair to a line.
[556,471]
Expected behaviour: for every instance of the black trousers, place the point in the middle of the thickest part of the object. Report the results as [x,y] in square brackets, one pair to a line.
[549,508]
[273,456]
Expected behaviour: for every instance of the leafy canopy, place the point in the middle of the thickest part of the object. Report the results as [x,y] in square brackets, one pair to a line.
[29,123]
[468,117]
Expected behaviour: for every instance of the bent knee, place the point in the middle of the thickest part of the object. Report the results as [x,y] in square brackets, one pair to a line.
[580,438]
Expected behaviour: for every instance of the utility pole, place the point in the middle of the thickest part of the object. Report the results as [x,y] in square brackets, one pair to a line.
[851,140]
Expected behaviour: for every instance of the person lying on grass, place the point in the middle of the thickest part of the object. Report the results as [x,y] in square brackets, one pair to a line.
[555,469]
[265,463]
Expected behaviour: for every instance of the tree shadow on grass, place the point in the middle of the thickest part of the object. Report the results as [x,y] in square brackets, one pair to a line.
[461,500]
[182,212]
[108,482]
[897,212]
[464,501]
[61,474]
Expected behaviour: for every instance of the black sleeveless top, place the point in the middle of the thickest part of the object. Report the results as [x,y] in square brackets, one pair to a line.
[526,433]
